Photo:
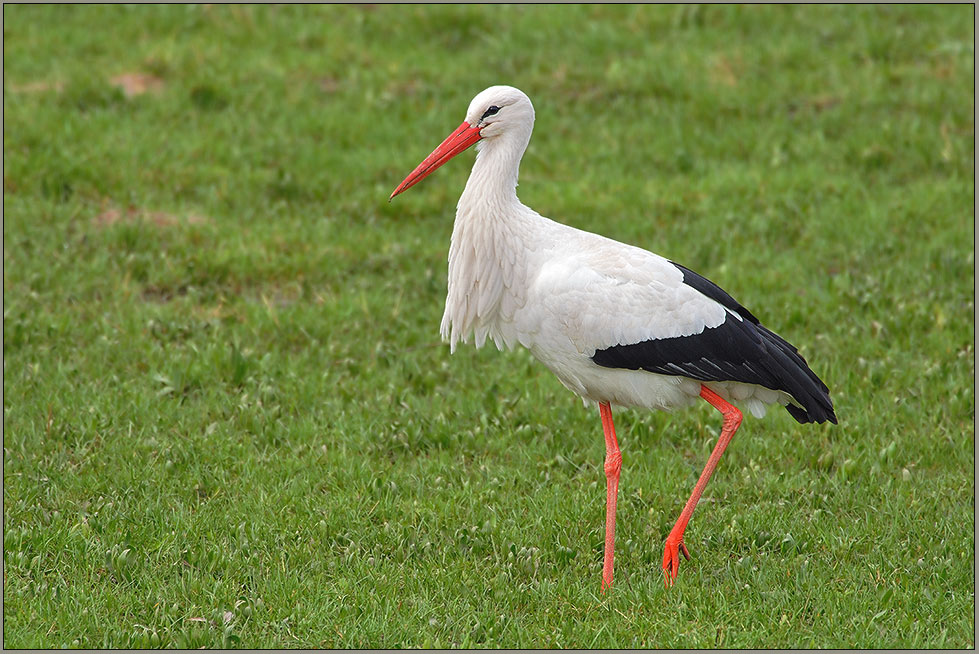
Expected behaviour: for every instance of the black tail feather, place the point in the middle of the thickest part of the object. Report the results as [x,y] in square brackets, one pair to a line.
[800,382]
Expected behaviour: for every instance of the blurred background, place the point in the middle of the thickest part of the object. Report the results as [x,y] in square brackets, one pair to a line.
[228,418]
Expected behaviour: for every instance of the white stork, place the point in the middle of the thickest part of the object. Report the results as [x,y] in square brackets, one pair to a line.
[615,323]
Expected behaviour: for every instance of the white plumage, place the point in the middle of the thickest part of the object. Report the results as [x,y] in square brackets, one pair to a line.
[517,277]
[574,298]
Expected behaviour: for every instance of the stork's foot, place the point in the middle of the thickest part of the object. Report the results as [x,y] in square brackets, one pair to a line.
[671,557]
[606,582]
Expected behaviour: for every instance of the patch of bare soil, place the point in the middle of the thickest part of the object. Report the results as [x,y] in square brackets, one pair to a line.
[134,84]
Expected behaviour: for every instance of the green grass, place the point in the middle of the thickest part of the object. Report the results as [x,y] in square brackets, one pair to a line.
[228,419]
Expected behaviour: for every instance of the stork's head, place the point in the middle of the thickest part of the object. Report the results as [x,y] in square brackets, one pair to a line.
[499,112]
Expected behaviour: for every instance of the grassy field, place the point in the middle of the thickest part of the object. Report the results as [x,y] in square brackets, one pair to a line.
[228,418]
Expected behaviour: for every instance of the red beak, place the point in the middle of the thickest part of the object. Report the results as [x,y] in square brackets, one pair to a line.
[464,136]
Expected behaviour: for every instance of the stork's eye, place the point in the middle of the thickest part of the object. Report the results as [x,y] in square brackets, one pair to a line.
[490,112]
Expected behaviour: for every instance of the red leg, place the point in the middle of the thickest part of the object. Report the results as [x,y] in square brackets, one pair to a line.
[613,463]
[674,542]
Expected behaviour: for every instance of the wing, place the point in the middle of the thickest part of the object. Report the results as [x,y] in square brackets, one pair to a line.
[628,308]
[603,293]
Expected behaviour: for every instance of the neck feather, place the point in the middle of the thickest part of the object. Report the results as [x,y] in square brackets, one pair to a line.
[487,250]
[494,175]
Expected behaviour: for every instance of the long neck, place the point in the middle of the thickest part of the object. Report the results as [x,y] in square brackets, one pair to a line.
[489,240]
[493,180]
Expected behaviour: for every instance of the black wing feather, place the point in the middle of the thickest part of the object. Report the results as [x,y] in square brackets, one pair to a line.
[714,292]
[740,349]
